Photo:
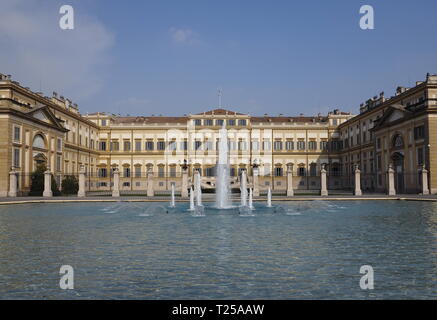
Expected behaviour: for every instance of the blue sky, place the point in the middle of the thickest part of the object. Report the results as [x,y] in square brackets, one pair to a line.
[169,57]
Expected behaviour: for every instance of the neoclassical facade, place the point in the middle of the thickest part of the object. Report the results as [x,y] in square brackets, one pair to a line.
[396,132]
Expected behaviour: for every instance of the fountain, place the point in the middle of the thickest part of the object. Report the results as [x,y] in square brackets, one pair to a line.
[269,198]
[251,199]
[222,179]
[198,188]
[191,199]
[243,188]
[172,204]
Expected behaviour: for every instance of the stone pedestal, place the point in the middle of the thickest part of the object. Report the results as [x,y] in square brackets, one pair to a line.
[391,191]
[47,185]
[323,184]
[358,191]
[184,191]
[256,182]
[425,187]
[116,187]
[81,193]
[150,191]
[290,190]
[12,183]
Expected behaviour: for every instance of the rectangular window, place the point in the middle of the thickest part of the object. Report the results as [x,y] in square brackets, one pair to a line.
[149,146]
[161,172]
[324,145]
[219,122]
[103,122]
[197,122]
[173,171]
[137,172]
[59,145]
[115,146]
[255,145]
[232,172]
[278,172]
[161,145]
[301,172]
[313,170]
[172,146]
[232,145]
[209,172]
[197,145]
[242,145]
[208,122]
[58,163]
[242,122]
[126,146]
[278,145]
[267,146]
[137,145]
[231,122]
[301,145]
[126,172]
[103,173]
[419,132]
[16,158]
[102,145]
[184,145]
[289,145]
[312,145]
[419,156]
[208,145]
[17,134]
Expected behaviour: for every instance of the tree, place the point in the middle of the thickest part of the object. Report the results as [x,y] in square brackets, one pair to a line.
[70,185]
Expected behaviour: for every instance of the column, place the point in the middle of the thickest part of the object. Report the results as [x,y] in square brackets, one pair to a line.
[358,191]
[290,191]
[255,181]
[425,187]
[81,192]
[184,192]
[116,187]
[150,191]
[391,191]
[12,183]
[47,184]
[324,189]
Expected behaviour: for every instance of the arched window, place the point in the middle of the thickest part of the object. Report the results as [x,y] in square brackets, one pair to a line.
[38,142]
[398,142]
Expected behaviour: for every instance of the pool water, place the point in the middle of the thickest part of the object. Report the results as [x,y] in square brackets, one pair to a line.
[295,250]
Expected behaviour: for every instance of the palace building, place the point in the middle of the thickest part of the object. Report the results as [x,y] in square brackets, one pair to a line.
[395,133]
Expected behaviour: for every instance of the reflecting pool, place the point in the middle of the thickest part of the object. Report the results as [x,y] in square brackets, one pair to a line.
[295,250]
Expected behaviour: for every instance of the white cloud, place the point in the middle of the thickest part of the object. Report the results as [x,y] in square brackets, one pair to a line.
[184,36]
[36,52]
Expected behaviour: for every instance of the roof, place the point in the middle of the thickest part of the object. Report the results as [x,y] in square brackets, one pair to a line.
[139,119]
[288,119]
[221,112]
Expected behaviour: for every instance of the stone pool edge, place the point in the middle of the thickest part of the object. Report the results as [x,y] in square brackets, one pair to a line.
[6,201]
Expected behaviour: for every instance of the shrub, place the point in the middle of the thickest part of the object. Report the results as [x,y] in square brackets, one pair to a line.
[70,185]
